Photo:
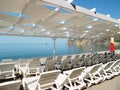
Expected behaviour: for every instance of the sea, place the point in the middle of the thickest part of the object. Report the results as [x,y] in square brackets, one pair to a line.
[42,47]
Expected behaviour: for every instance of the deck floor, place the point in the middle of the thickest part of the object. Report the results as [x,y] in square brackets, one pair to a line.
[112,84]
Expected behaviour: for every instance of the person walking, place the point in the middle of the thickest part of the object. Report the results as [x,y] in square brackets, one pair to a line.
[112,48]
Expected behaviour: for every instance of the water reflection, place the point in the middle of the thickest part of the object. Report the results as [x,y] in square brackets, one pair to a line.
[86,45]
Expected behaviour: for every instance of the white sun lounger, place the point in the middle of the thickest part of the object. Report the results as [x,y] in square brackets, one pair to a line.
[74,81]
[106,72]
[23,66]
[93,74]
[76,61]
[7,70]
[115,67]
[65,63]
[34,67]
[44,81]
[48,65]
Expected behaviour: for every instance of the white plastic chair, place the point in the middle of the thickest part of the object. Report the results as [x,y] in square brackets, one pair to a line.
[93,74]
[74,81]
[44,81]
[7,70]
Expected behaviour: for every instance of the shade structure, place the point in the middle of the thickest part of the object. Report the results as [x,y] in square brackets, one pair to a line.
[54,18]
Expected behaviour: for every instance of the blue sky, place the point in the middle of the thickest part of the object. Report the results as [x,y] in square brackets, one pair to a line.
[102,6]
[111,7]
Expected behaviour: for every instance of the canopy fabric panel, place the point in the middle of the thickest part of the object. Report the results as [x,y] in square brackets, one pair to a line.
[54,18]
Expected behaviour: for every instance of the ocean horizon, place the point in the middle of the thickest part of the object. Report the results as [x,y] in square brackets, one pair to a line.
[16,51]
[31,47]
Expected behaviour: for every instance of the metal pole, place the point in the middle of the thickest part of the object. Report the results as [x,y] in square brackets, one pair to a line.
[54,50]
[91,46]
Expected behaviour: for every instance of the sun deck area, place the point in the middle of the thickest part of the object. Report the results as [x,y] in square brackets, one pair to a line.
[59,19]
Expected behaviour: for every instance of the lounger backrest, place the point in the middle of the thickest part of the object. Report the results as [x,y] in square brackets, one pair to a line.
[34,64]
[47,79]
[116,63]
[50,65]
[59,58]
[49,58]
[7,60]
[6,67]
[107,65]
[34,67]
[11,85]
[95,59]
[76,73]
[43,61]
[109,57]
[92,70]
[87,60]
[118,56]
[36,59]
[95,68]
[24,62]
[66,61]
[76,60]
[82,57]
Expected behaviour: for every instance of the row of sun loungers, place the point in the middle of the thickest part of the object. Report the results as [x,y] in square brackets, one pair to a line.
[69,72]
[37,65]
[77,78]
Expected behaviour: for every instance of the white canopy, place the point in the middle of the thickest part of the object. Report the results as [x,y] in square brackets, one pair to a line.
[54,18]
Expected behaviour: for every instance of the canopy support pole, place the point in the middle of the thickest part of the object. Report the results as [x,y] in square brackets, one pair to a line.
[54,48]
[91,46]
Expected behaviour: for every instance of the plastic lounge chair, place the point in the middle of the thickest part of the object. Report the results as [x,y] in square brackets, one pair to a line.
[74,81]
[76,61]
[58,59]
[7,70]
[48,65]
[93,74]
[23,66]
[65,63]
[82,58]
[34,67]
[45,80]
[115,67]
[106,71]
[87,60]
